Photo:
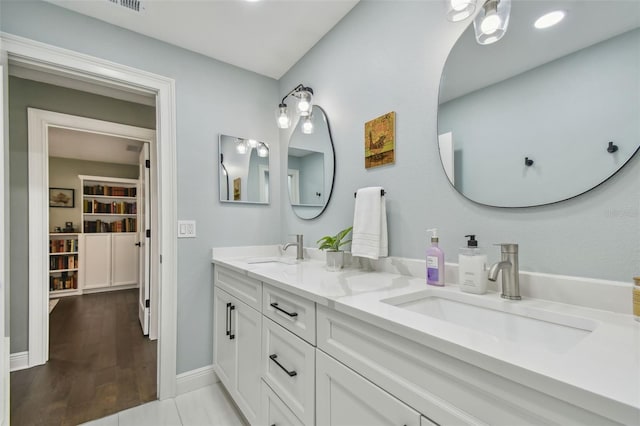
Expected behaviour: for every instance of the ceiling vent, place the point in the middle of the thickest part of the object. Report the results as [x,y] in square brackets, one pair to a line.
[135,5]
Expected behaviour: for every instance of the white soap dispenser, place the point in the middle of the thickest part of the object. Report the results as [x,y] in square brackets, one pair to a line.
[472,268]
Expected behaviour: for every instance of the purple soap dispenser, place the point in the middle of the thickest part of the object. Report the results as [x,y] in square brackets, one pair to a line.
[435,261]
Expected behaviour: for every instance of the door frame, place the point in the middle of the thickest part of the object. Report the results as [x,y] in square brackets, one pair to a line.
[102,72]
[39,122]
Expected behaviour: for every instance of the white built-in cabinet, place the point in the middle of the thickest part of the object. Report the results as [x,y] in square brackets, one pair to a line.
[109,260]
[237,341]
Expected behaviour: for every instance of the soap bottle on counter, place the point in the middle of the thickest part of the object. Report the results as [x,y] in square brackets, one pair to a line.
[472,268]
[435,261]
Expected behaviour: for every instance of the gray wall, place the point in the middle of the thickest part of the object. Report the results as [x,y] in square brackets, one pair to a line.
[63,173]
[211,98]
[24,94]
[388,56]
[561,114]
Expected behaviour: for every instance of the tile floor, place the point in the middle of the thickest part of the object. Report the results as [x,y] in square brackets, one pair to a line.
[207,406]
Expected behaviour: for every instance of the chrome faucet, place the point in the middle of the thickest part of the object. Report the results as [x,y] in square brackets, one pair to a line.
[510,271]
[299,246]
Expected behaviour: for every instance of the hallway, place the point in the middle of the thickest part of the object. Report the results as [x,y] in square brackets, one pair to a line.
[99,363]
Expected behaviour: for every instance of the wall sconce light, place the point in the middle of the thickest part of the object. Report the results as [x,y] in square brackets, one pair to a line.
[457,10]
[307,125]
[490,24]
[304,106]
[262,149]
[225,173]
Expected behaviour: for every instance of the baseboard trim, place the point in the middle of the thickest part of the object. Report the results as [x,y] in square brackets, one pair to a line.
[195,379]
[18,361]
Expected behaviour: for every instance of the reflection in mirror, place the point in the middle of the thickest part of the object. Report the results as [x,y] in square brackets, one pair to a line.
[310,167]
[555,97]
[244,170]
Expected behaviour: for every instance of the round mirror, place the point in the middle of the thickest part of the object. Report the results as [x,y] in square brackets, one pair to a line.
[542,115]
[310,165]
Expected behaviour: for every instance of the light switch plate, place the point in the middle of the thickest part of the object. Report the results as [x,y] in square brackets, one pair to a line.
[186,229]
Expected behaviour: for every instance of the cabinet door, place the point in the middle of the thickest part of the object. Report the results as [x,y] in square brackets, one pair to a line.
[96,263]
[246,325]
[345,398]
[224,348]
[124,255]
[274,411]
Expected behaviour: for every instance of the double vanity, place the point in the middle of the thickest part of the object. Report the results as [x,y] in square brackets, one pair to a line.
[295,344]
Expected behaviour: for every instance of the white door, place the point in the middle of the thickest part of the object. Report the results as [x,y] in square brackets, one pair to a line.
[4,351]
[96,263]
[144,264]
[246,325]
[124,259]
[346,398]
[224,346]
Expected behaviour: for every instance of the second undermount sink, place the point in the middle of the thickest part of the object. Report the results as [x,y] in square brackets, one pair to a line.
[272,259]
[529,327]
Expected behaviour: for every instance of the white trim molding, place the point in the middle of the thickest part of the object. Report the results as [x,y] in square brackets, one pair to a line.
[71,64]
[19,361]
[195,379]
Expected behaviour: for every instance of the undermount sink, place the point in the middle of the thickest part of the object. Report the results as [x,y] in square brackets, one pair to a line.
[272,259]
[525,326]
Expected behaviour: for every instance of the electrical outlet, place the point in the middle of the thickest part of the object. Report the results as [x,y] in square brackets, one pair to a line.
[186,229]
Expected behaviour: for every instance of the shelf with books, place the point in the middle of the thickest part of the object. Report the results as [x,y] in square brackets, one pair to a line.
[108,204]
[63,263]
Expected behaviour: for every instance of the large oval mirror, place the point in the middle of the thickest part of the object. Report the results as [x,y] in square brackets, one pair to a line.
[310,166]
[542,115]
[244,170]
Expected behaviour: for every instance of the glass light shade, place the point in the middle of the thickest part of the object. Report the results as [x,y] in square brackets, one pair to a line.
[549,20]
[252,143]
[307,125]
[304,102]
[491,23]
[282,117]
[242,147]
[262,150]
[457,10]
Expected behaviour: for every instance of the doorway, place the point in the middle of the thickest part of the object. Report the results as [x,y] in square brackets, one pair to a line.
[103,73]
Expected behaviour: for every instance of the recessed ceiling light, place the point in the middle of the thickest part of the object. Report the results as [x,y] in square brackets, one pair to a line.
[550,19]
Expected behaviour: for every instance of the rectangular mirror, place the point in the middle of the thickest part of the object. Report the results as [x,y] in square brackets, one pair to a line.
[244,170]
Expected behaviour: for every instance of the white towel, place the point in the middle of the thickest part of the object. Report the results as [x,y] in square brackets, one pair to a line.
[370,238]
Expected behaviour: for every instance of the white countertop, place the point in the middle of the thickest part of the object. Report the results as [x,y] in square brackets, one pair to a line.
[601,372]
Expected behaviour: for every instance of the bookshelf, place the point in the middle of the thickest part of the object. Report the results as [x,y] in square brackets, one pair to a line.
[63,264]
[109,204]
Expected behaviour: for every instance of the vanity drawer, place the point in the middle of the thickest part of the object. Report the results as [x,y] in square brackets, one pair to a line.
[288,367]
[443,388]
[293,312]
[274,411]
[248,290]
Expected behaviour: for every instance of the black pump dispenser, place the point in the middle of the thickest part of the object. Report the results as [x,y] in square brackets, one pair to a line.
[472,243]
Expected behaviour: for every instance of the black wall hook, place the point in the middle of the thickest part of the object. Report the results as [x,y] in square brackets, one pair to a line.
[612,148]
[528,162]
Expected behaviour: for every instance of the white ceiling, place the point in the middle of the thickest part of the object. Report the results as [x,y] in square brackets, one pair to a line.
[471,66]
[67,143]
[267,37]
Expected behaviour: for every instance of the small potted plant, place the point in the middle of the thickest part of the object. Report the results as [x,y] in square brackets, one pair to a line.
[332,244]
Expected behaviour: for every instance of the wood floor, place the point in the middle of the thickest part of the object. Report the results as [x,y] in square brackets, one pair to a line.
[99,363]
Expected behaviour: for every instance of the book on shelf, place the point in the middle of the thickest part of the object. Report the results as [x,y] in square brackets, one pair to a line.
[112,191]
[63,245]
[65,261]
[96,226]
[65,281]
[116,207]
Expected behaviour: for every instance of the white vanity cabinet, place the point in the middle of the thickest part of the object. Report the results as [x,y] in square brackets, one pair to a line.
[346,398]
[237,345]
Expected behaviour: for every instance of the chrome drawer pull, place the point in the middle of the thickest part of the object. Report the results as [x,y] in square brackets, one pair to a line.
[290,373]
[291,314]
